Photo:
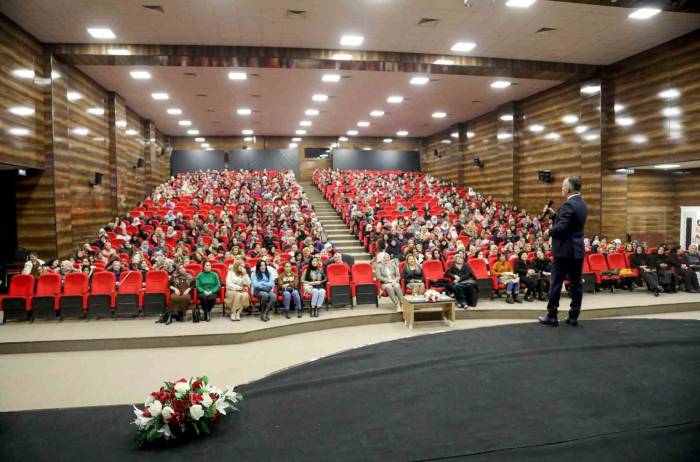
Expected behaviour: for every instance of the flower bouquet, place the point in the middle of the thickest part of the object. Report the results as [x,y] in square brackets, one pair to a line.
[185,407]
[431,295]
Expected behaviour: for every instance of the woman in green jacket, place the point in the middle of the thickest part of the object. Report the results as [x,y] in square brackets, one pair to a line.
[208,286]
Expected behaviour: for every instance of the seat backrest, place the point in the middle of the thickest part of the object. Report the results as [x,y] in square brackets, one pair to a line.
[616,261]
[156,281]
[75,284]
[130,282]
[195,267]
[103,282]
[512,259]
[362,272]
[21,285]
[479,268]
[49,284]
[627,259]
[432,269]
[596,262]
[337,273]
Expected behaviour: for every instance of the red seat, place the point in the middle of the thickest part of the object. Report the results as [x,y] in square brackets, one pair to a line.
[102,293]
[338,285]
[74,296]
[196,268]
[433,270]
[483,277]
[130,293]
[156,295]
[45,300]
[363,279]
[597,265]
[17,301]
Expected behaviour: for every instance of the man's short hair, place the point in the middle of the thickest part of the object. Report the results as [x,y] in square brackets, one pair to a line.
[575,183]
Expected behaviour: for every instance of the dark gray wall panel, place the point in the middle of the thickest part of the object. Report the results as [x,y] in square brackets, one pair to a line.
[261,159]
[355,159]
[191,161]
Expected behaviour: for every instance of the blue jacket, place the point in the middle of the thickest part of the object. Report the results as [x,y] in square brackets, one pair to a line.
[263,283]
[567,232]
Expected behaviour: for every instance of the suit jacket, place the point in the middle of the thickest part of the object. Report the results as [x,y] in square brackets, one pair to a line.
[567,232]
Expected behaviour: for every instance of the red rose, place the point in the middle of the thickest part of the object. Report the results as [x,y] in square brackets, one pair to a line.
[197,384]
[213,396]
[182,381]
[147,413]
[179,406]
[195,398]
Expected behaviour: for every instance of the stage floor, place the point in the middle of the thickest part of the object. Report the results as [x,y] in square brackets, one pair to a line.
[617,389]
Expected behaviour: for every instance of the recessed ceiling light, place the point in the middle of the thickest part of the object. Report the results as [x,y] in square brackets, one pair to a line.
[394,99]
[590,136]
[618,108]
[553,136]
[74,96]
[419,80]
[55,75]
[22,111]
[296,139]
[17,131]
[81,131]
[159,96]
[443,62]
[319,97]
[388,140]
[644,13]
[311,112]
[590,89]
[439,115]
[671,111]
[504,136]
[23,73]
[293,145]
[581,129]
[237,75]
[174,111]
[305,123]
[351,40]
[208,149]
[402,133]
[184,123]
[520,3]
[98,111]
[300,132]
[569,119]
[463,46]
[101,32]
[342,56]
[536,128]
[671,93]
[120,123]
[352,132]
[376,113]
[193,131]
[500,84]
[446,141]
[248,138]
[205,145]
[454,135]
[624,121]
[343,138]
[330,77]
[470,135]
[247,131]
[200,139]
[244,111]
[666,166]
[366,148]
[621,170]
[363,123]
[118,52]
[334,145]
[639,139]
[506,117]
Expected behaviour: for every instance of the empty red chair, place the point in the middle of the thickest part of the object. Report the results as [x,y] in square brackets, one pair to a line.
[597,264]
[45,300]
[616,261]
[156,295]
[338,285]
[433,271]
[364,287]
[129,294]
[73,300]
[196,268]
[102,293]
[17,301]
[483,278]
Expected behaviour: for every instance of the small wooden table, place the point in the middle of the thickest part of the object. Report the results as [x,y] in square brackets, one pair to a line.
[413,303]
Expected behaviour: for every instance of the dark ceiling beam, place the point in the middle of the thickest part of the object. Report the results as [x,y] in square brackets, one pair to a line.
[309,58]
[678,6]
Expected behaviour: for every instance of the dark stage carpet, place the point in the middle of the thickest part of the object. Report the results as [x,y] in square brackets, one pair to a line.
[607,390]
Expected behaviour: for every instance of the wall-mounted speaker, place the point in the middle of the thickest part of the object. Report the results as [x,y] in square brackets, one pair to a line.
[97,180]
[139,163]
[545,176]
[478,162]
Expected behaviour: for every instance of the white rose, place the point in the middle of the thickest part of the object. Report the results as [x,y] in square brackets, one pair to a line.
[182,387]
[206,400]
[156,408]
[196,412]
[167,413]
[149,401]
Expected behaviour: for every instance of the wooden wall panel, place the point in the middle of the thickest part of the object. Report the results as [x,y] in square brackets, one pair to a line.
[650,206]
[614,205]
[134,143]
[441,155]
[495,178]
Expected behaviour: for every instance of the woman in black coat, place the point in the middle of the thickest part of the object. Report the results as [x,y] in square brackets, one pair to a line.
[639,261]
[527,275]
[543,267]
[687,275]
[659,261]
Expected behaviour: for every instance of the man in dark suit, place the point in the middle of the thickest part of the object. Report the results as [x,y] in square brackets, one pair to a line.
[568,251]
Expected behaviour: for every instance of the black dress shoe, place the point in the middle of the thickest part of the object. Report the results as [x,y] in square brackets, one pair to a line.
[299,314]
[547,321]
[572,322]
[286,313]
[516,299]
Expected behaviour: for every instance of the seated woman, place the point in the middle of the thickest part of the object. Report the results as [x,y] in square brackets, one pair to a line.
[659,261]
[526,272]
[463,283]
[543,267]
[412,275]
[180,293]
[684,272]
[208,286]
[387,272]
[504,272]
[288,286]
[641,262]
[237,284]
[315,284]
[263,284]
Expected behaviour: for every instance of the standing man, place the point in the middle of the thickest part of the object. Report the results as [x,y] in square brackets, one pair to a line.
[568,251]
